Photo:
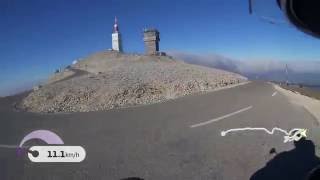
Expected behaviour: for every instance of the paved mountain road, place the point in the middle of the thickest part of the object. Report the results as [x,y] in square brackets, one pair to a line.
[161,141]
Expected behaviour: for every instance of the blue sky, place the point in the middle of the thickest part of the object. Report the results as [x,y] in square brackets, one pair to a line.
[39,36]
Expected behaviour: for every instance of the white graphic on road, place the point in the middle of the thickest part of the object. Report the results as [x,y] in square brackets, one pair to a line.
[293,135]
[222,117]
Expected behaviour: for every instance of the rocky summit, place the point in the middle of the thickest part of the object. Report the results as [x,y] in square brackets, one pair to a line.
[109,79]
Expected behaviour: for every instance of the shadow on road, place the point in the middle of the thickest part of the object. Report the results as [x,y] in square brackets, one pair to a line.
[293,165]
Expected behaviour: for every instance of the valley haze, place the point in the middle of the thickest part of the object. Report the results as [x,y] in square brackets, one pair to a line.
[304,72]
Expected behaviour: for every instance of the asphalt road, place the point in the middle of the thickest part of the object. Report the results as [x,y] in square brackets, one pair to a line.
[178,139]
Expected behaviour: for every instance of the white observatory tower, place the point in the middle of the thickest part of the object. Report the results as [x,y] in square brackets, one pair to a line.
[116,37]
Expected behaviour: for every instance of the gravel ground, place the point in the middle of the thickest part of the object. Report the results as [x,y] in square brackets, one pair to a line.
[120,80]
[59,76]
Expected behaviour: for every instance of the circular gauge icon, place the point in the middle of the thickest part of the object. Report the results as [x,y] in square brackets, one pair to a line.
[46,136]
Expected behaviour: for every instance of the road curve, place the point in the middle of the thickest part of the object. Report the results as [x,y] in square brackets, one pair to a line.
[77,73]
[157,141]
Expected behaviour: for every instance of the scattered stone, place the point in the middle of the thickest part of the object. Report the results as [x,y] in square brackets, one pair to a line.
[36,88]
[118,80]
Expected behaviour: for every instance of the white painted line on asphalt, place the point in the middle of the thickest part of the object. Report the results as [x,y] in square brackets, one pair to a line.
[220,118]
[275,93]
[8,146]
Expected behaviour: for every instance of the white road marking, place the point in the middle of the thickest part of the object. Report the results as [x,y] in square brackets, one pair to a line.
[220,118]
[290,136]
[275,93]
[11,146]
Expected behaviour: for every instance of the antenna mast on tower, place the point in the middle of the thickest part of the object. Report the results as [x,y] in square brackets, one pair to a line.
[116,37]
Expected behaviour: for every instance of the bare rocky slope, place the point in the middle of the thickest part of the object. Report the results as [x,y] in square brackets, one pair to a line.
[114,80]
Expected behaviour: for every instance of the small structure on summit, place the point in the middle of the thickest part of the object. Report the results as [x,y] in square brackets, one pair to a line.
[151,40]
[116,37]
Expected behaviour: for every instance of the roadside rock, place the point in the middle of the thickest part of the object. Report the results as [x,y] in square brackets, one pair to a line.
[117,80]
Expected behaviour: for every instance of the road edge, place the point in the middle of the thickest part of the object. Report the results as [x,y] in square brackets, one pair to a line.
[310,104]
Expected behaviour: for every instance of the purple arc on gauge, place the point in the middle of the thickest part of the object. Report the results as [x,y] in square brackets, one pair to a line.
[47,136]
